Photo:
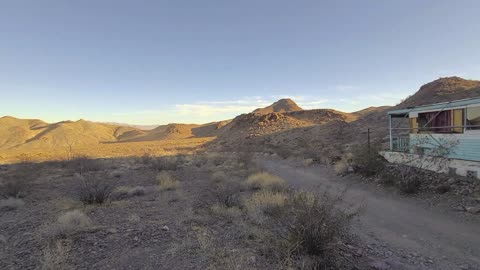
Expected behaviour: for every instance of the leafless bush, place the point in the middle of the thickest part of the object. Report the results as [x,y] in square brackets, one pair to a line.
[366,160]
[228,193]
[11,204]
[17,183]
[309,225]
[92,189]
[408,179]
[82,164]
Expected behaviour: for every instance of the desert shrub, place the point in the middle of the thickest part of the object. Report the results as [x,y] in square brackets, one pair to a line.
[166,181]
[67,224]
[82,164]
[91,189]
[215,159]
[264,202]
[165,163]
[228,193]
[11,204]
[246,158]
[409,184]
[408,179]
[146,159]
[228,213]
[309,225]
[264,180]
[366,160]
[387,178]
[218,177]
[341,167]
[17,183]
[54,256]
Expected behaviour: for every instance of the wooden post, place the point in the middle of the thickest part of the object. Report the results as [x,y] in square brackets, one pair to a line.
[390,131]
[368,138]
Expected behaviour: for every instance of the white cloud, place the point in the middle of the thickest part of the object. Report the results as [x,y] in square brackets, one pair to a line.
[215,110]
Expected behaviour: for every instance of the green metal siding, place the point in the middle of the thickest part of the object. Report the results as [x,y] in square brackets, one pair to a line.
[466,148]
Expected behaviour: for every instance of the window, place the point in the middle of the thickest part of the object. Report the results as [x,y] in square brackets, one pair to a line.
[448,121]
[435,122]
[473,118]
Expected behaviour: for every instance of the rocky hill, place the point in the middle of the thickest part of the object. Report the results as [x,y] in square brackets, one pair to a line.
[442,90]
[282,105]
[329,132]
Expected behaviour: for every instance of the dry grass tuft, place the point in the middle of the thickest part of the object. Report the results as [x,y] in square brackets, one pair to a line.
[11,204]
[264,180]
[68,224]
[55,256]
[341,167]
[228,213]
[264,203]
[166,181]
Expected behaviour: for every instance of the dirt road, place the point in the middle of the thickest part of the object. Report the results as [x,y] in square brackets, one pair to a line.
[410,236]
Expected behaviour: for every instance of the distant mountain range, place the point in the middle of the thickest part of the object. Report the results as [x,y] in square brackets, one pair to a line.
[282,124]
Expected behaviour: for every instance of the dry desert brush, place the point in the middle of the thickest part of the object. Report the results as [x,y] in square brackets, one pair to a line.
[264,180]
[309,226]
[367,160]
[166,181]
[18,182]
[68,224]
[92,189]
[82,164]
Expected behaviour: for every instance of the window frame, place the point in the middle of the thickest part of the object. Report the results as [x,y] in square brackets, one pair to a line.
[470,131]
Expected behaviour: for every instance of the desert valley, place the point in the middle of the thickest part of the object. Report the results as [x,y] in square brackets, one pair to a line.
[240,135]
[277,188]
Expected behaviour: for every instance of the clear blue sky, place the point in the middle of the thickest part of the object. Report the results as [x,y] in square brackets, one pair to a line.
[153,62]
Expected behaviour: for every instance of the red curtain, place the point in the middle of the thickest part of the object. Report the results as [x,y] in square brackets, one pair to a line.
[439,119]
